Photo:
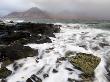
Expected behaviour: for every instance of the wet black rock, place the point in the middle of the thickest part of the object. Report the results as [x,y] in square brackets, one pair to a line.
[45,75]
[59,60]
[72,80]
[83,46]
[4,72]
[96,48]
[54,71]
[3,80]
[27,33]
[39,39]
[17,66]
[39,28]
[23,38]
[103,44]
[6,62]
[15,52]
[34,78]
[7,27]
[29,80]
[13,36]
[69,69]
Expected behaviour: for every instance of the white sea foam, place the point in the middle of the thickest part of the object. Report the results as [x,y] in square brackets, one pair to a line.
[73,37]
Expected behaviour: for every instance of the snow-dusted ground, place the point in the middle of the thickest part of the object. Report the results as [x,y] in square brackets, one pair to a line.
[73,37]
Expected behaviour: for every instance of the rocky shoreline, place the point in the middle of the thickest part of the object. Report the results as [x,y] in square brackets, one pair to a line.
[13,37]
[28,53]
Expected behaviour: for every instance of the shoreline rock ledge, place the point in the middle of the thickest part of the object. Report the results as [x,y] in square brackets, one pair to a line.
[13,37]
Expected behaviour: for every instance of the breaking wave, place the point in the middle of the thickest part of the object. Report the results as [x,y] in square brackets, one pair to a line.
[72,37]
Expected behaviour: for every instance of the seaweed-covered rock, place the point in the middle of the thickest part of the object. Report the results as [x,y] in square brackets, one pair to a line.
[86,63]
[4,72]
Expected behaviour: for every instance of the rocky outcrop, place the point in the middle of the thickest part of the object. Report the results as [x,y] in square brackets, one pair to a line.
[8,55]
[87,63]
[27,33]
[13,37]
[15,52]
[4,72]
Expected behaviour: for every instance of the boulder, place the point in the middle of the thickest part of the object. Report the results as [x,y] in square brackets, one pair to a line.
[15,52]
[4,72]
[86,63]
[13,36]
[34,78]
[29,80]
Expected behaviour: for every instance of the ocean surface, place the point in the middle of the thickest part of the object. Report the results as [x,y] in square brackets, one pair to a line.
[72,36]
[100,24]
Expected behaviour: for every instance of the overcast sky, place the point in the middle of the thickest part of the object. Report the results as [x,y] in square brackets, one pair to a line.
[97,8]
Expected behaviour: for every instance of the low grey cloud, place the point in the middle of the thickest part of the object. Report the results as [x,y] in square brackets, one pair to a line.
[92,8]
[7,6]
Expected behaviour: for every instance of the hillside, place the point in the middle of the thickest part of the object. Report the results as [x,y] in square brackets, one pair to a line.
[30,14]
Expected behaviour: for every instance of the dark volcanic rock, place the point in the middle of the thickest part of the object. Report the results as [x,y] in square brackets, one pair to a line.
[16,66]
[34,78]
[69,69]
[12,40]
[3,80]
[54,71]
[7,27]
[44,29]
[103,45]
[8,54]
[29,80]
[4,72]
[13,36]
[24,33]
[45,76]
[73,80]
[15,52]
[39,39]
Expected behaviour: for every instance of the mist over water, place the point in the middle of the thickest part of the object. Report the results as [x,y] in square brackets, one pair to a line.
[89,9]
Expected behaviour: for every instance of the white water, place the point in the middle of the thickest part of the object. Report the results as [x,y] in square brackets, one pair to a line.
[71,38]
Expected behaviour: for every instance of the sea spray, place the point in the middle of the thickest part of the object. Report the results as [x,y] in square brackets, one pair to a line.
[77,38]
